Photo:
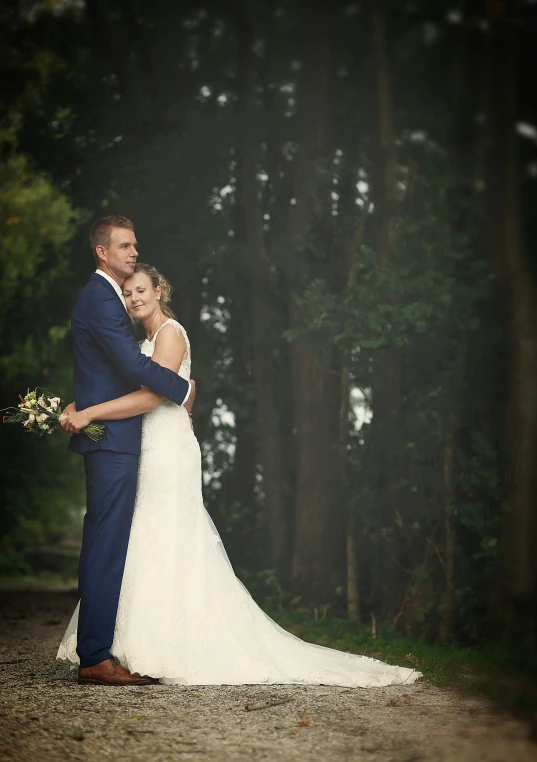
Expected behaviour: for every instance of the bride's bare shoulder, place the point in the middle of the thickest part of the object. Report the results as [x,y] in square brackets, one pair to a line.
[170,337]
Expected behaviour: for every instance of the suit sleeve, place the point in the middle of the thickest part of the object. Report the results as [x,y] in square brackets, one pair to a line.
[107,326]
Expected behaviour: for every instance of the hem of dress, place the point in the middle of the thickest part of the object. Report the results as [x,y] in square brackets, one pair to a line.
[171,682]
[410,679]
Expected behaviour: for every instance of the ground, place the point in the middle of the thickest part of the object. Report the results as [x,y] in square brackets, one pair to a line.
[46,716]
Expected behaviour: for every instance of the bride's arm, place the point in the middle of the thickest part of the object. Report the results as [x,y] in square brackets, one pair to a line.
[170,351]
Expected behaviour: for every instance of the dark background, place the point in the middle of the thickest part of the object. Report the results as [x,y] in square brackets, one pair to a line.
[343,197]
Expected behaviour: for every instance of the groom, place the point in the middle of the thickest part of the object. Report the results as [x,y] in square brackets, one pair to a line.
[108,364]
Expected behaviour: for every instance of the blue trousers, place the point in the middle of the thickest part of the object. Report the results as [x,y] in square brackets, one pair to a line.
[110,494]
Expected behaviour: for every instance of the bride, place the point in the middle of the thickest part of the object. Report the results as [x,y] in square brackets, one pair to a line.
[183,615]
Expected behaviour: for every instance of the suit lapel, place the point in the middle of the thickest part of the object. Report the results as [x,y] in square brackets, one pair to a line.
[103,282]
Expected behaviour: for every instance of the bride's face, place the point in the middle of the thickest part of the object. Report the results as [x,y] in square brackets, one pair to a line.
[142,300]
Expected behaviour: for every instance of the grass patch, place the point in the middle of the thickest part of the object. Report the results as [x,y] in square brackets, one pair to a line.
[508,677]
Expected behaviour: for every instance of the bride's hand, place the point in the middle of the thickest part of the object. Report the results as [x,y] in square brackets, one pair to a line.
[64,417]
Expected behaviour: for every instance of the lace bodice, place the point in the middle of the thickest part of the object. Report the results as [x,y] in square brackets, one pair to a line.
[148,347]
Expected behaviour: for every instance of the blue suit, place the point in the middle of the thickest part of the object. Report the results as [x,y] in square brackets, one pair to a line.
[108,364]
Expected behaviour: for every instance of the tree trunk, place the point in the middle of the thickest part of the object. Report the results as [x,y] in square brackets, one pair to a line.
[319,524]
[386,376]
[466,86]
[353,586]
[445,630]
[265,379]
[347,209]
[240,486]
[319,532]
[519,531]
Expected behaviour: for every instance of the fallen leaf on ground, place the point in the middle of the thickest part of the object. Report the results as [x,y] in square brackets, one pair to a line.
[304,720]
[399,702]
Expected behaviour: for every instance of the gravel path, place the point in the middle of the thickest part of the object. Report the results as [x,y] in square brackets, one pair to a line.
[46,716]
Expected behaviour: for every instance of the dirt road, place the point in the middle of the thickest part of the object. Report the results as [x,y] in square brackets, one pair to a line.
[46,716]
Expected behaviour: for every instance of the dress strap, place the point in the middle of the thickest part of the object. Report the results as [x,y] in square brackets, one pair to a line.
[159,329]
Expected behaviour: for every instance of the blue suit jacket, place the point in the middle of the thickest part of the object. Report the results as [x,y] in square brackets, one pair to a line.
[108,364]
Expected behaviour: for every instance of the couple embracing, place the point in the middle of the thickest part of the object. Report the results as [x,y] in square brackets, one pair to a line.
[158,598]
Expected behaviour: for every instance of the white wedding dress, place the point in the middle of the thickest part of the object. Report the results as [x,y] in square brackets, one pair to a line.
[183,615]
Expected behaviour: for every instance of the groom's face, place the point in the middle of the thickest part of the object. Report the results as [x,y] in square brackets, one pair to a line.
[121,254]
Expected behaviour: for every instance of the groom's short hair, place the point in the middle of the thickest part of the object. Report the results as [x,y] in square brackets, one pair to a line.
[101,231]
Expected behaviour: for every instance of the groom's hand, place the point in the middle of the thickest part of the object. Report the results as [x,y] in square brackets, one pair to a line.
[191,397]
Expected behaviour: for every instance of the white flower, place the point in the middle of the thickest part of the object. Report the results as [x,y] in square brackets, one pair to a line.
[31,419]
[54,402]
[41,402]
[49,432]
[42,417]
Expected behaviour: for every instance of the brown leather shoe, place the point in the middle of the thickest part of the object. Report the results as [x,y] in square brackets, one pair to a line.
[109,673]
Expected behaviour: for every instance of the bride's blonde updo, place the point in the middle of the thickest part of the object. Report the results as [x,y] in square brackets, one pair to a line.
[158,280]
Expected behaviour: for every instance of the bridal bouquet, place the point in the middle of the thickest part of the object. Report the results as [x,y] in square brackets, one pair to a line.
[41,415]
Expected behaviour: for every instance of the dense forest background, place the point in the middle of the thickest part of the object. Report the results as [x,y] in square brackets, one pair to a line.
[343,196]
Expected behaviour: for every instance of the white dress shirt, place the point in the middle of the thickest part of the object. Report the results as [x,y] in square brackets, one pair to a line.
[119,292]
[114,284]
